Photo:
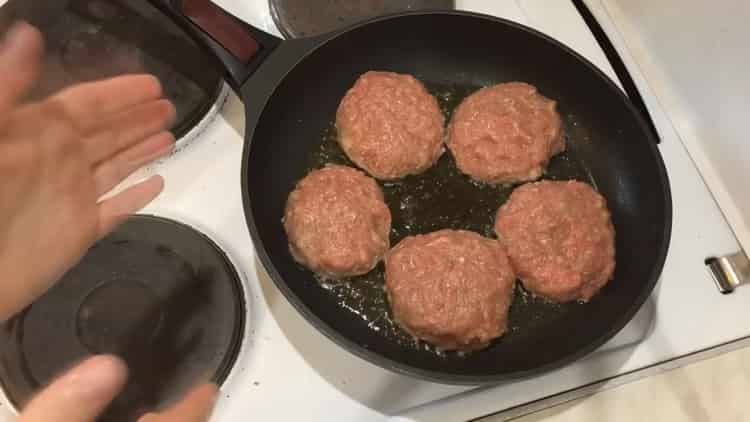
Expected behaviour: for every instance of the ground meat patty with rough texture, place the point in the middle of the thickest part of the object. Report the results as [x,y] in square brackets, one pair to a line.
[451,288]
[505,134]
[389,125]
[560,239]
[337,222]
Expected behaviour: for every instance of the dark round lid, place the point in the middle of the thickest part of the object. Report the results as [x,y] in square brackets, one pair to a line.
[156,293]
[305,18]
[94,39]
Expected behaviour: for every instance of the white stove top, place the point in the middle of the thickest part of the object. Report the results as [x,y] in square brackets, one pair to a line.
[288,371]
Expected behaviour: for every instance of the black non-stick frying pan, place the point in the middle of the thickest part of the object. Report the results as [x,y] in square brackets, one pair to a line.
[291,91]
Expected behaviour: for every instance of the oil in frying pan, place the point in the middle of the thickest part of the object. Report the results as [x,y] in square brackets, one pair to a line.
[442,198]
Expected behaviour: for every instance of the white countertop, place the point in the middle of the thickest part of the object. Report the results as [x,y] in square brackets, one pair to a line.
[711,390]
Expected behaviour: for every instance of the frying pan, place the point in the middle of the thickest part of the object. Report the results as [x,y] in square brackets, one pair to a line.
[291,91]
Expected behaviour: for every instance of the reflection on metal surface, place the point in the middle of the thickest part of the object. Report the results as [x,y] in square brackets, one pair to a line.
[304,18]
[730,271]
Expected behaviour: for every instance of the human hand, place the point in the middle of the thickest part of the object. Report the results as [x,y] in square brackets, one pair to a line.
[85,391]
[59,157]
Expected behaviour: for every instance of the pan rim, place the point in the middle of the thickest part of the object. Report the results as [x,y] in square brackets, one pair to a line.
[432,375]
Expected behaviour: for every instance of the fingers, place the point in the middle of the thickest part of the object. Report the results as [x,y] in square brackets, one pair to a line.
[130,127]
[79,395]
[89,103]
[195,407]
[112,171]
[114,210]
[20,62]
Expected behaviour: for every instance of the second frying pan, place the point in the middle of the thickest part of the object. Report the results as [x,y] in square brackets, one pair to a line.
[291,90]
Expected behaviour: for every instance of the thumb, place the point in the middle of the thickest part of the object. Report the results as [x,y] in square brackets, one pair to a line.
[79,395]
[20,61]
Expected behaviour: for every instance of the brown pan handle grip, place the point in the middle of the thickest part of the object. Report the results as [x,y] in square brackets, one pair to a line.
[238,46]
[222,27]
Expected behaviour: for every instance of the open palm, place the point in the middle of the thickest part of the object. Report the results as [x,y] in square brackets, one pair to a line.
[58,157]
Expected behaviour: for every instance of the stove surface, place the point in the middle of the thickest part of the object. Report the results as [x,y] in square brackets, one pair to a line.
[286,370]
[155,292]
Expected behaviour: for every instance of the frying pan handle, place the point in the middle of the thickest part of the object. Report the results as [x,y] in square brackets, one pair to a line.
[239,47]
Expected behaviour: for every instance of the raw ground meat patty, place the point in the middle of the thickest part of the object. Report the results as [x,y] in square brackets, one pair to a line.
[389,125]
[337,222]
[505,134]
[450,288]
[560,239]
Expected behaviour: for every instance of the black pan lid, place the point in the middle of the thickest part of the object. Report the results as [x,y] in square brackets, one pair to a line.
[155,292]
[305,18]
[94,39]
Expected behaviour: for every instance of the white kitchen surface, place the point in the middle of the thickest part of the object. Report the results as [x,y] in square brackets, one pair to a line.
[701,78]
[288,371]
[711,390]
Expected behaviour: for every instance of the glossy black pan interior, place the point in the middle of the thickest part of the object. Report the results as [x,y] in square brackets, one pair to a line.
[291,100]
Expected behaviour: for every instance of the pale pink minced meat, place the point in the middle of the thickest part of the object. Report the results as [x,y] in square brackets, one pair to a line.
[337,222]
[390,126]
[560,239]
[450,288]
[505,134]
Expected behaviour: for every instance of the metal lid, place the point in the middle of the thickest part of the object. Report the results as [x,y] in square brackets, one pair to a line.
[94,39]
[305,18]
[156,293]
